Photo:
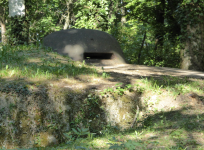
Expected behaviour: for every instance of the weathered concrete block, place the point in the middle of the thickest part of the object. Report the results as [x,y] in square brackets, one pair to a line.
[86,44]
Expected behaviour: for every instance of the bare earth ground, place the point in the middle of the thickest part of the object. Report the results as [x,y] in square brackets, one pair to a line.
[128,74]
[141,70]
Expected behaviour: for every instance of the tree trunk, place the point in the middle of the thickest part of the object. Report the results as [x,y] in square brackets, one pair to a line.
[159,31]
[20,28]
[139,55]
[3,32]
[66,25]
[68,17]
[123,13]
[3,24]
[192,56]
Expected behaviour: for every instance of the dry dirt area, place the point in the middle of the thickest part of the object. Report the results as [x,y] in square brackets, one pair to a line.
[128,74]
[135,71]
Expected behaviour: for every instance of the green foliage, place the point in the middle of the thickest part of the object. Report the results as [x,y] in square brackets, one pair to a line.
[73,137]
[130,38]
[91,104]
[74,141]
[9,56]
[44,18]
[169,25]
[17,32]
[118,89]
[130,145]
[14,62]
[95,14]
[104,74]
[89,114]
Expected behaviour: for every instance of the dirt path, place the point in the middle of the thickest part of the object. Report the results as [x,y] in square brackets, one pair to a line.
[128,74]
[141,70]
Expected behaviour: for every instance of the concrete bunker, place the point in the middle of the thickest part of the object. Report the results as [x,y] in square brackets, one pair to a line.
[89,55]
[93,46]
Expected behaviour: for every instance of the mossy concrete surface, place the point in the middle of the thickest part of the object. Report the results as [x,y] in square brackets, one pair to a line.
[121,109]
[39,117]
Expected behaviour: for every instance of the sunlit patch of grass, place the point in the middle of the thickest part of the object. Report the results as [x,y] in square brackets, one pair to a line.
[99,142]
[29,62]
[175,85]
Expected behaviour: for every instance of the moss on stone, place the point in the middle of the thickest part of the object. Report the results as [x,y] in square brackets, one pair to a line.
[49,112]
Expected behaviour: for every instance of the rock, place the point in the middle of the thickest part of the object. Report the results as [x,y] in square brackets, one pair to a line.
[93,46]
[191,99]
[195,100]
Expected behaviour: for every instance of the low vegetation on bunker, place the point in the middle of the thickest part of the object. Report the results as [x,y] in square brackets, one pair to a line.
[38,63]
[42,106]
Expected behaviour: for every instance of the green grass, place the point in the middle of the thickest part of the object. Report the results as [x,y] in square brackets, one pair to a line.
[175,85]
[170,129]
[30,62]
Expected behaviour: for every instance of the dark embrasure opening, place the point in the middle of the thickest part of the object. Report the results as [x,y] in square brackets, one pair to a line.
[98,55]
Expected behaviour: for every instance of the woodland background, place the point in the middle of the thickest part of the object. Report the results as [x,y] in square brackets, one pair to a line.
[165,33]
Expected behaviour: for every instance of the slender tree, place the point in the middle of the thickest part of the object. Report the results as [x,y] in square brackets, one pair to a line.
[159,28]
[3,16]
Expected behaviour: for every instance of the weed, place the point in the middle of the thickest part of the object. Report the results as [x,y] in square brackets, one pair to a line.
[130,145]
[38,140]
[104,74]
[73,137]
[118,89]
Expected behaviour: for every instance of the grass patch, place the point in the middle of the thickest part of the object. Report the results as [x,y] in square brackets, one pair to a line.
[32,63]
